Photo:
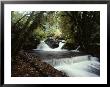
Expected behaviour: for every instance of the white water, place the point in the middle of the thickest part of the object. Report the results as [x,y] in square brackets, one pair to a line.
[80,66]
[82,69]
[44,47]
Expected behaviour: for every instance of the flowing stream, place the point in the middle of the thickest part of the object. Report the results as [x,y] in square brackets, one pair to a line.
[72,62]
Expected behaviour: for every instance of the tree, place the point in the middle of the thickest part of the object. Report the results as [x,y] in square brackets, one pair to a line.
[32,22]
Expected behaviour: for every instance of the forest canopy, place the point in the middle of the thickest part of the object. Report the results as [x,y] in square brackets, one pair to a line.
[77,28]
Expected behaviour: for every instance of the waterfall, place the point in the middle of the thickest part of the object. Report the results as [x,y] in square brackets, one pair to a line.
[79,66]
[65,61]
[44,47]
[77,47]
[59,48]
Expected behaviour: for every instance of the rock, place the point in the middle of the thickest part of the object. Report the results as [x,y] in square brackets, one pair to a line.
[54,46]
[52,43]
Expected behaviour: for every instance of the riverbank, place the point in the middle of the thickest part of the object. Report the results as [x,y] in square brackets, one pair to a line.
[27,65]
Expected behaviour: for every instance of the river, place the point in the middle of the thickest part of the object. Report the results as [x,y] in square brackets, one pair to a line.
[72,62]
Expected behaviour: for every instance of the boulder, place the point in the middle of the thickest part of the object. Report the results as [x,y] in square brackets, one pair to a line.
[52,43]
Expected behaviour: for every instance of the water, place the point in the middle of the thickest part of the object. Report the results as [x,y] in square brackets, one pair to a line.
[80,66]
[73,63]
[44,47]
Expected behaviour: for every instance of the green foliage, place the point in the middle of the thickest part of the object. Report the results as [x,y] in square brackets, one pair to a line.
[39,34]
[21,37]
[76,27]
[85,26]
[49,26]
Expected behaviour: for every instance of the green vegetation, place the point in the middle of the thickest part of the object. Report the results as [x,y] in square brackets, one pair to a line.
[77,28]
